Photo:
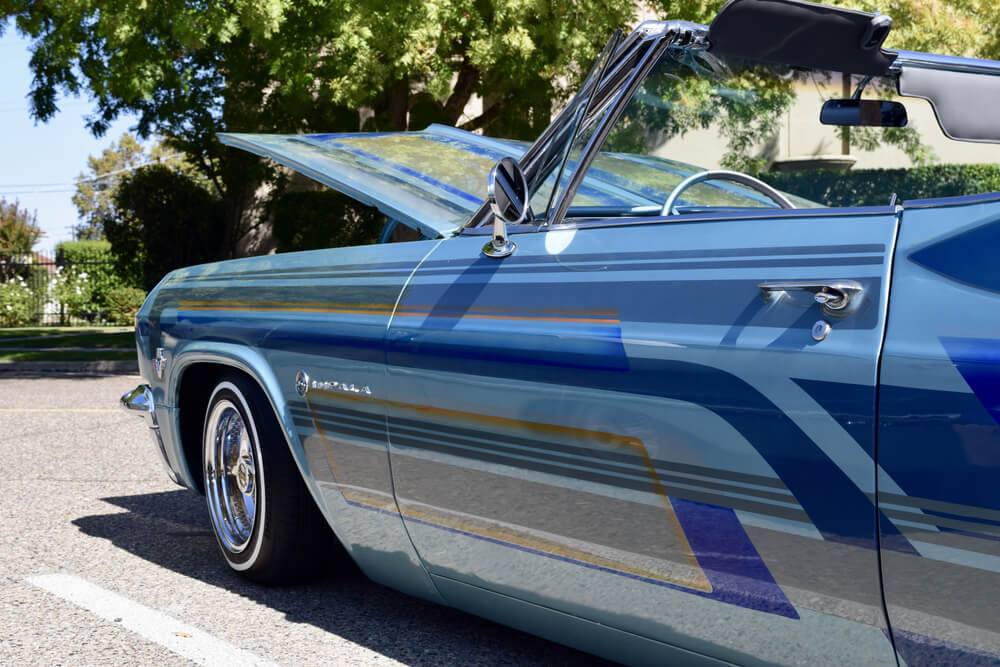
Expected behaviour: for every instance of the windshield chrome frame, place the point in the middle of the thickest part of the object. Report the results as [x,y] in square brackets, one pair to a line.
[674,33]
[663,34]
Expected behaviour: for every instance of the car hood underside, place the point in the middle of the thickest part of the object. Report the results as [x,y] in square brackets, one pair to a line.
[432,180]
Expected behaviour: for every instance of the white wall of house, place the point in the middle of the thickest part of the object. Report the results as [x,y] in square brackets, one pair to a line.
[799,135]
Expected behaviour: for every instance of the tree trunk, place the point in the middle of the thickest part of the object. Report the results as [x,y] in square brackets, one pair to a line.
[398,104]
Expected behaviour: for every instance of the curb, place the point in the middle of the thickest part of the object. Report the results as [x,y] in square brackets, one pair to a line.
[99,367]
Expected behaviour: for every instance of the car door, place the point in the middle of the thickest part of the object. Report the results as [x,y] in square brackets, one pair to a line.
[613,423]
[939,436]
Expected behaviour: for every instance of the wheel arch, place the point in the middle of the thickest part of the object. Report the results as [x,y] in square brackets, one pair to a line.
[194,372]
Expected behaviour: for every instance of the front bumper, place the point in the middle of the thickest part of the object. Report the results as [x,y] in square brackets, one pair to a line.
[139,402]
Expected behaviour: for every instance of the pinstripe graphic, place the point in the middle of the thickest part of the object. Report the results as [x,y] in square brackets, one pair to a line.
[386,503]
[611,259]
[746,582]
[752,493]
[692,576]
[673,265]
[386,310]
[705,571]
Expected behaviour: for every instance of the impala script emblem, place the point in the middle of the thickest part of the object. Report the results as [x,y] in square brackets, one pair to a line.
[303,384]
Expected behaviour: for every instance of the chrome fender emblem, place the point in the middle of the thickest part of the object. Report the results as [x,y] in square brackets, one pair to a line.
[303,384]
[160,362]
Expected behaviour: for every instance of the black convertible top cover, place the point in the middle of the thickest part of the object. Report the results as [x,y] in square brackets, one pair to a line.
[803,34]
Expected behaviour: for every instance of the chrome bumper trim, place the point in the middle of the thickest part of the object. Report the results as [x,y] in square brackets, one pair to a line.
[139,402]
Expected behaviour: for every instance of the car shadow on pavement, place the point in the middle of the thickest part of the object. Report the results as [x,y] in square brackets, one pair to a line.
[171,530]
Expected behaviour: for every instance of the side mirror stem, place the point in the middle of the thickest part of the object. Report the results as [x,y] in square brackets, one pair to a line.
[500,245]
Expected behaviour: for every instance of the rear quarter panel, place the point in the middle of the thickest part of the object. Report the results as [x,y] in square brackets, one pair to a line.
[939,438]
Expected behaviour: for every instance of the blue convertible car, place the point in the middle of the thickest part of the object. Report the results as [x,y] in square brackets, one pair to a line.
[655,411]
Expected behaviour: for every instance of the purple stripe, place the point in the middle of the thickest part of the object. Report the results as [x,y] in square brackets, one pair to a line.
[731,562]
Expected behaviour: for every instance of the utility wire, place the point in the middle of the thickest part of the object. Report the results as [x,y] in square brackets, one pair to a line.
[44,186]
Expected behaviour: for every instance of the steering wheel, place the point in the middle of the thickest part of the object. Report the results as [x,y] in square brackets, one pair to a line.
[723,174]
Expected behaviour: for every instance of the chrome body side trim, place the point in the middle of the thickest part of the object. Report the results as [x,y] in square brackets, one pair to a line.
[963,200]
[139,402]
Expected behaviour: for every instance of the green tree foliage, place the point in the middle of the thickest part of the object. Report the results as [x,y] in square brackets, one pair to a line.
[95,190]
[189,70]
[163,220]
[18,235]
[18,231]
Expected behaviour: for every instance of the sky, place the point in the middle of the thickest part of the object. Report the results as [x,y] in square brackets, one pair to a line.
[39,162]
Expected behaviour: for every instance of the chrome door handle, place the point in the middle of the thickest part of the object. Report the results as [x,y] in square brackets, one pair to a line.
[834,295]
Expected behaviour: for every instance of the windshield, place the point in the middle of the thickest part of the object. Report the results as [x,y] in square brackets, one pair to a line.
[689,94]
[694,112]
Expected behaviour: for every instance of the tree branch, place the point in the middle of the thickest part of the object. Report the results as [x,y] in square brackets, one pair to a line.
[468,77]
[485,119]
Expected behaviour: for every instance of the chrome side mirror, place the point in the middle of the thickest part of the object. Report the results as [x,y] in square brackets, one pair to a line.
[507,193]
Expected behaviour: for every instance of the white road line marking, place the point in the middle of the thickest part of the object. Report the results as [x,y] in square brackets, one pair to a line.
[60,409]
[181,638]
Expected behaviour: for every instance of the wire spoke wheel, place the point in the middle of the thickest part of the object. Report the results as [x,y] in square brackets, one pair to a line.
[230,475]
[266,524]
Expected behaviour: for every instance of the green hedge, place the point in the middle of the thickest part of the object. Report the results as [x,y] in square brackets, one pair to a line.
[875,187]
[123,304]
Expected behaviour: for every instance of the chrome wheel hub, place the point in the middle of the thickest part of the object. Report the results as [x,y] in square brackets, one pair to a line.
[230,476]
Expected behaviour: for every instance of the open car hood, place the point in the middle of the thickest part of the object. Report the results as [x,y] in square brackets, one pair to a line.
[432,181]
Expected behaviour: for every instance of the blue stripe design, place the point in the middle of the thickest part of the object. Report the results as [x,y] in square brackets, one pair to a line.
[969,257]
[347,340]
[949,433]
[853,406]
[563,344]
[978,360]
[718,302]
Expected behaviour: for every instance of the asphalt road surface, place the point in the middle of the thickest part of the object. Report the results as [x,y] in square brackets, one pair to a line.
[104,561]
